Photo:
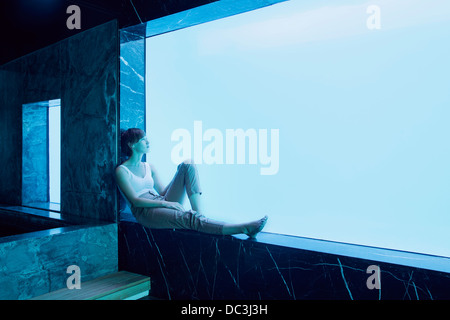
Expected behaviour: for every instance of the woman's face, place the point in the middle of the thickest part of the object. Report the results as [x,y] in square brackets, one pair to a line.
[142,146]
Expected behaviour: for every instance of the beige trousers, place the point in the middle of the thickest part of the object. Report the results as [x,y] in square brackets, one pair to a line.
[186,180]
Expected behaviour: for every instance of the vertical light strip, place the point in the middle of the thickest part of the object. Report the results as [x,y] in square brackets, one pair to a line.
[54,156]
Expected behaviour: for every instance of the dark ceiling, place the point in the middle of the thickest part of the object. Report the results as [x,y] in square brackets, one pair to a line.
[28,25]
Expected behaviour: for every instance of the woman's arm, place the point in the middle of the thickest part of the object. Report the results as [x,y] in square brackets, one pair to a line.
[159,187]
[123,181]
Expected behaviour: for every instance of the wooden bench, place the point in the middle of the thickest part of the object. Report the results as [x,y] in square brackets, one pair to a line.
[122,285]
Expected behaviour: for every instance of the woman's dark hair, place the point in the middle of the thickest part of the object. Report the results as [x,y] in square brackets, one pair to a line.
[132,136]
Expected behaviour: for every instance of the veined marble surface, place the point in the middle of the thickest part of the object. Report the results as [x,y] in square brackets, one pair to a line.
[35,167]
[132,83]
[37,263]
[82,71]
[190,265]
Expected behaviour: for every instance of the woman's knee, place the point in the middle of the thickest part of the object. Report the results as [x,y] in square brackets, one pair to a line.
[187,164]
[188,169]
[194,219]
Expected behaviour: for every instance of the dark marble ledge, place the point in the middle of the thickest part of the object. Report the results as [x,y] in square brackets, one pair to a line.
[64,219]
[44,233]
[404,258]
[57,223]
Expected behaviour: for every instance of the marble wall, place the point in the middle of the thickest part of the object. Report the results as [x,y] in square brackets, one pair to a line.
[36,263]
[190,265]
[82,71]
[89,116]
[35,162]
[132,78]
[11,99]
[132,86]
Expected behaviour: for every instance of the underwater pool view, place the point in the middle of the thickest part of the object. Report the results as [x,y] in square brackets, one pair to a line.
[330,117]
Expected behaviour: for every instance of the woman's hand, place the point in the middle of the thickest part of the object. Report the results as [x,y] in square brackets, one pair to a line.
[173,205]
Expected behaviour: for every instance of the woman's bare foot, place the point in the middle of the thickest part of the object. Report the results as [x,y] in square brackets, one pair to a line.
[253,228]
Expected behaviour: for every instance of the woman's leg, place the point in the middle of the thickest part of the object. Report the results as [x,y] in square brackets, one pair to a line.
[186,179]
[249,228]
[165,218]
[196,202]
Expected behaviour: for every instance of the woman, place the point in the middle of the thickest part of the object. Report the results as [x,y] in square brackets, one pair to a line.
[156,206]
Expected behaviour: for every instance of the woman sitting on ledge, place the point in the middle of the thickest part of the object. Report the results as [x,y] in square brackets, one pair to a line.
[155,206]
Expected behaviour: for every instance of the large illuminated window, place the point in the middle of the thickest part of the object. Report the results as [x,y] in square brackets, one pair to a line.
[330,117]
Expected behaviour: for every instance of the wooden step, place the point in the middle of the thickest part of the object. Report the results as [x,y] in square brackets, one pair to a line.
[116,286]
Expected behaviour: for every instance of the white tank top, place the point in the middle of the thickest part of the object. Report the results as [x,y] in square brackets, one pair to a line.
[140,185]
